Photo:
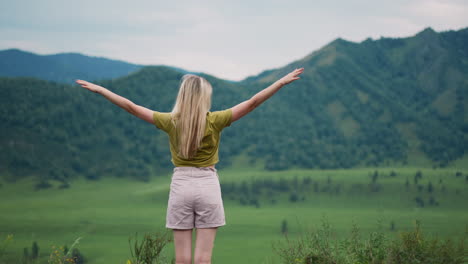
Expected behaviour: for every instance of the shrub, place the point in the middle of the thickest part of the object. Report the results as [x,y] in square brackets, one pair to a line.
[357,250]
[419,201]
[30,257]
[64,255]
[313,247]
[148,251]
[320,247]
[413,247]
[77,257]
[42,184]
[293,197]
[5,244]
[64,185]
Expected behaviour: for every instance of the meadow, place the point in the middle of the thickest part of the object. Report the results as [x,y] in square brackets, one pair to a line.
[106,212]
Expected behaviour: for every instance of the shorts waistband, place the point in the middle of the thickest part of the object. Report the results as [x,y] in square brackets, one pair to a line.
[194,169]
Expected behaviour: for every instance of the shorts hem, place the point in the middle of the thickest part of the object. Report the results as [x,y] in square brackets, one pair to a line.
[178,227]
[210,225]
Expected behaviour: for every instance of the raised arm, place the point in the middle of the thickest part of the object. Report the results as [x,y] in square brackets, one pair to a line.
[134,109]
[247,106]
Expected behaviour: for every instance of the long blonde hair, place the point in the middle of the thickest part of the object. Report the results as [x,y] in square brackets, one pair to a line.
[189,113]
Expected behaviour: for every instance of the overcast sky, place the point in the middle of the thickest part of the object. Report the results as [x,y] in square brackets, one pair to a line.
[229,39]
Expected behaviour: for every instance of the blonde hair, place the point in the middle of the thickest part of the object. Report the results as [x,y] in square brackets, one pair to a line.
[189,113]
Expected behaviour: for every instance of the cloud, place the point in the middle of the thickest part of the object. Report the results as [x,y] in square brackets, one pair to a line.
[438,9]
[229,39]
[439,14]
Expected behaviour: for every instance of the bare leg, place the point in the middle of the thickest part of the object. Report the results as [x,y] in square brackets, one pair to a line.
[183,245]
[204,245]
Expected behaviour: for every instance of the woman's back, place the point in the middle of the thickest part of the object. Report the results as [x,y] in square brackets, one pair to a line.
[207,154]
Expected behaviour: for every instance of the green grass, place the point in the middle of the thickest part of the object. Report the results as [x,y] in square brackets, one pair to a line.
[106,212]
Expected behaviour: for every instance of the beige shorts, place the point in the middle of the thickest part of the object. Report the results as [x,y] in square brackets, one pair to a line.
[195,199]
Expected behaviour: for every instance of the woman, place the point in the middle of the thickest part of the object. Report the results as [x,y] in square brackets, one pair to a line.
[194,134]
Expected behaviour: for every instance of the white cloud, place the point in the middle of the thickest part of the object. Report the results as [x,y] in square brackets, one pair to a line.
[439,14]
[438,9]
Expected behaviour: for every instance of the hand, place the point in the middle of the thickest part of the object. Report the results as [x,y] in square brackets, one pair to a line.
[90,86]
[292,76]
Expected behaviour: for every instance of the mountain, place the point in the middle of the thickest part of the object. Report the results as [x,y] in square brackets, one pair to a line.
[391,101]
[63,67]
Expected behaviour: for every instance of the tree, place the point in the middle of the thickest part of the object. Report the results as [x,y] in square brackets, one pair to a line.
[284,227]
[293,197]
[419,201]
[26,256]
[417,176]
[430,188]
[432,201]
[34,250]
[375,176]
[316,187]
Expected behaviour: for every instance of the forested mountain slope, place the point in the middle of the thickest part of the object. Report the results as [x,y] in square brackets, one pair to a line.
[378,102]
[384,99]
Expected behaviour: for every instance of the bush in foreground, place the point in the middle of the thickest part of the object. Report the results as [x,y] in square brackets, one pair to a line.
[320,247]
[149,250]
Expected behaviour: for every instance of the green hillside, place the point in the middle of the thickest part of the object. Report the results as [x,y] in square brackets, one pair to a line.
[58,131]
[388,100]
[380,102]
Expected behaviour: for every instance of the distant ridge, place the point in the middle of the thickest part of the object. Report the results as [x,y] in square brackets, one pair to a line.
[63,67]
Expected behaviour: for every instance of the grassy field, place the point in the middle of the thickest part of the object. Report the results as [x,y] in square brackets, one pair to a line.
[106,212]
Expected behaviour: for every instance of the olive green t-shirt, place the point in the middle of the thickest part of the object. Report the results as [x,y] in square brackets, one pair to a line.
[207,154]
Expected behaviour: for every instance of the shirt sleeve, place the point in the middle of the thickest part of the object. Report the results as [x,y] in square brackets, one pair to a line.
[162,120]
[222,119]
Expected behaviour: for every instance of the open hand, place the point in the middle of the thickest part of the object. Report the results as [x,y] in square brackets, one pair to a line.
[90,86]
[292,76]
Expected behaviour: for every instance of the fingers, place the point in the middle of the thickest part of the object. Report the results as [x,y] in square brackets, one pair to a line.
[82,82]
[297,71]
